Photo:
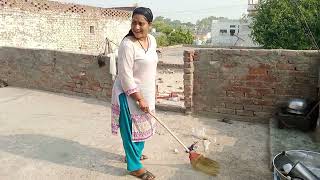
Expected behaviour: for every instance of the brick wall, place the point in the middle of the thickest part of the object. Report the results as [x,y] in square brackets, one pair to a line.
[248,84]
[40,6]
[75,74]
[57,26]
[188,57]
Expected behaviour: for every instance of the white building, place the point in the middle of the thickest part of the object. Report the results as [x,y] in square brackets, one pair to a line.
[252,7]
[234,32]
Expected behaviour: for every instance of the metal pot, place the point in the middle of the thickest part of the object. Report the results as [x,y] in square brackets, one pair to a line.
[297,106]
[309,158]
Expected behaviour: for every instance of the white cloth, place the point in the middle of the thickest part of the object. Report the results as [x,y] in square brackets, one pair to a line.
[136,73]
[113,63]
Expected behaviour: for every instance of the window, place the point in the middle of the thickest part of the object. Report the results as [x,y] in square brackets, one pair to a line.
[91,29]
[232,26]
[232,32]
[223,31]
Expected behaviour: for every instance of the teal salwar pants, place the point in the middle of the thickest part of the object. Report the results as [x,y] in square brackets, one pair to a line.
[133,150]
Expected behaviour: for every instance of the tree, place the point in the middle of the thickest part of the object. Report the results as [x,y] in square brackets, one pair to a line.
[279,24]
[163,27]
[172,32]
[180,36]
[162,40]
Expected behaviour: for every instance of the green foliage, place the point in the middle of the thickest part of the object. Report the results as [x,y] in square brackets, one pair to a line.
[172,32]
[279,24]
[180,36]
[162,40]
[176,32]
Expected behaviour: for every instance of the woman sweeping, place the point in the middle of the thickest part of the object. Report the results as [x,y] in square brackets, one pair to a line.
[133,93]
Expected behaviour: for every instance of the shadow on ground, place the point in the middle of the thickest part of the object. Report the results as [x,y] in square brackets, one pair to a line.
[61,151]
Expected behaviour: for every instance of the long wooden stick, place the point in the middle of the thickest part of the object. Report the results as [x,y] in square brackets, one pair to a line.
[184,146]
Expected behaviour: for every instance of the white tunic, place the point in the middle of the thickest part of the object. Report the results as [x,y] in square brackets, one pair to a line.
[136,73]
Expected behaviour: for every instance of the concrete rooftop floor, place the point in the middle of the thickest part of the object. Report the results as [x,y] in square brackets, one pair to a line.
[51,136]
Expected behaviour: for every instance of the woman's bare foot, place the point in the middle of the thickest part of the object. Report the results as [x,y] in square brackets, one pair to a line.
[143,174]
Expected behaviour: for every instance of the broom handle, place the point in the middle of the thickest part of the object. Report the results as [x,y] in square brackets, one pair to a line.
[184,146]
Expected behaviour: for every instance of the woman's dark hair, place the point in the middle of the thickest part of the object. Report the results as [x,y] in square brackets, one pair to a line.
[146,12]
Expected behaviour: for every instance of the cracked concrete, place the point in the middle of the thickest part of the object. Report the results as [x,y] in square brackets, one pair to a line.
[55,136]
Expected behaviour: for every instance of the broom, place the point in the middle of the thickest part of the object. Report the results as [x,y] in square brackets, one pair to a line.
[198,161]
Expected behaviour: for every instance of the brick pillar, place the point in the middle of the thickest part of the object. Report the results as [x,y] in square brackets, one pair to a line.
[316,133]
[188,57]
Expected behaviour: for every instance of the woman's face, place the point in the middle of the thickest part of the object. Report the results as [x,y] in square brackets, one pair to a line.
[140,26]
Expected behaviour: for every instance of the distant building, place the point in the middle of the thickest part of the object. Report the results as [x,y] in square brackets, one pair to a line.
[234,32]
[252,7]
[201,39]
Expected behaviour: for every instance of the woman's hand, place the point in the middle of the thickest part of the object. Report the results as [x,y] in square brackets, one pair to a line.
[143,105]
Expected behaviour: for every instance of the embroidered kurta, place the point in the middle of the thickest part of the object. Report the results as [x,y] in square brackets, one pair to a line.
[136,73]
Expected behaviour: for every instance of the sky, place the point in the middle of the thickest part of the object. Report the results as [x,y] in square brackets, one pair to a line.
[183,10]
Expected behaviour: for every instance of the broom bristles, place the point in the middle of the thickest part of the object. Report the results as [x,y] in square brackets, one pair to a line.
[206,165]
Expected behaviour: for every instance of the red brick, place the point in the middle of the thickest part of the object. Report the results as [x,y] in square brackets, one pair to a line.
[253,107]
[188,56]
[188,70]
[257,71]
[188,53]
[244,113]
[76,77]
[253,95]
[269,108]
[304,80]
[264,91]
[303,67]
[228,65]
[237,83]
[298,74]
[251,77]
[108,93]
[228,76]
[285,66]
[263,102]
[263,114]
[226,111]
[268,79]
[88,91]
[244,52]
[238,89]
[46,68]
[234,106]
[96,88]
[188,90]
[261,52]
[212,75]
[187,82]
[215,110]
[235,94]
[187,104]
[187,59]
[255,84]
[285,92]
[289,53]
[78,90]
[196,56]
[187,96]
[229,99]
[67,88]
[188,65]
